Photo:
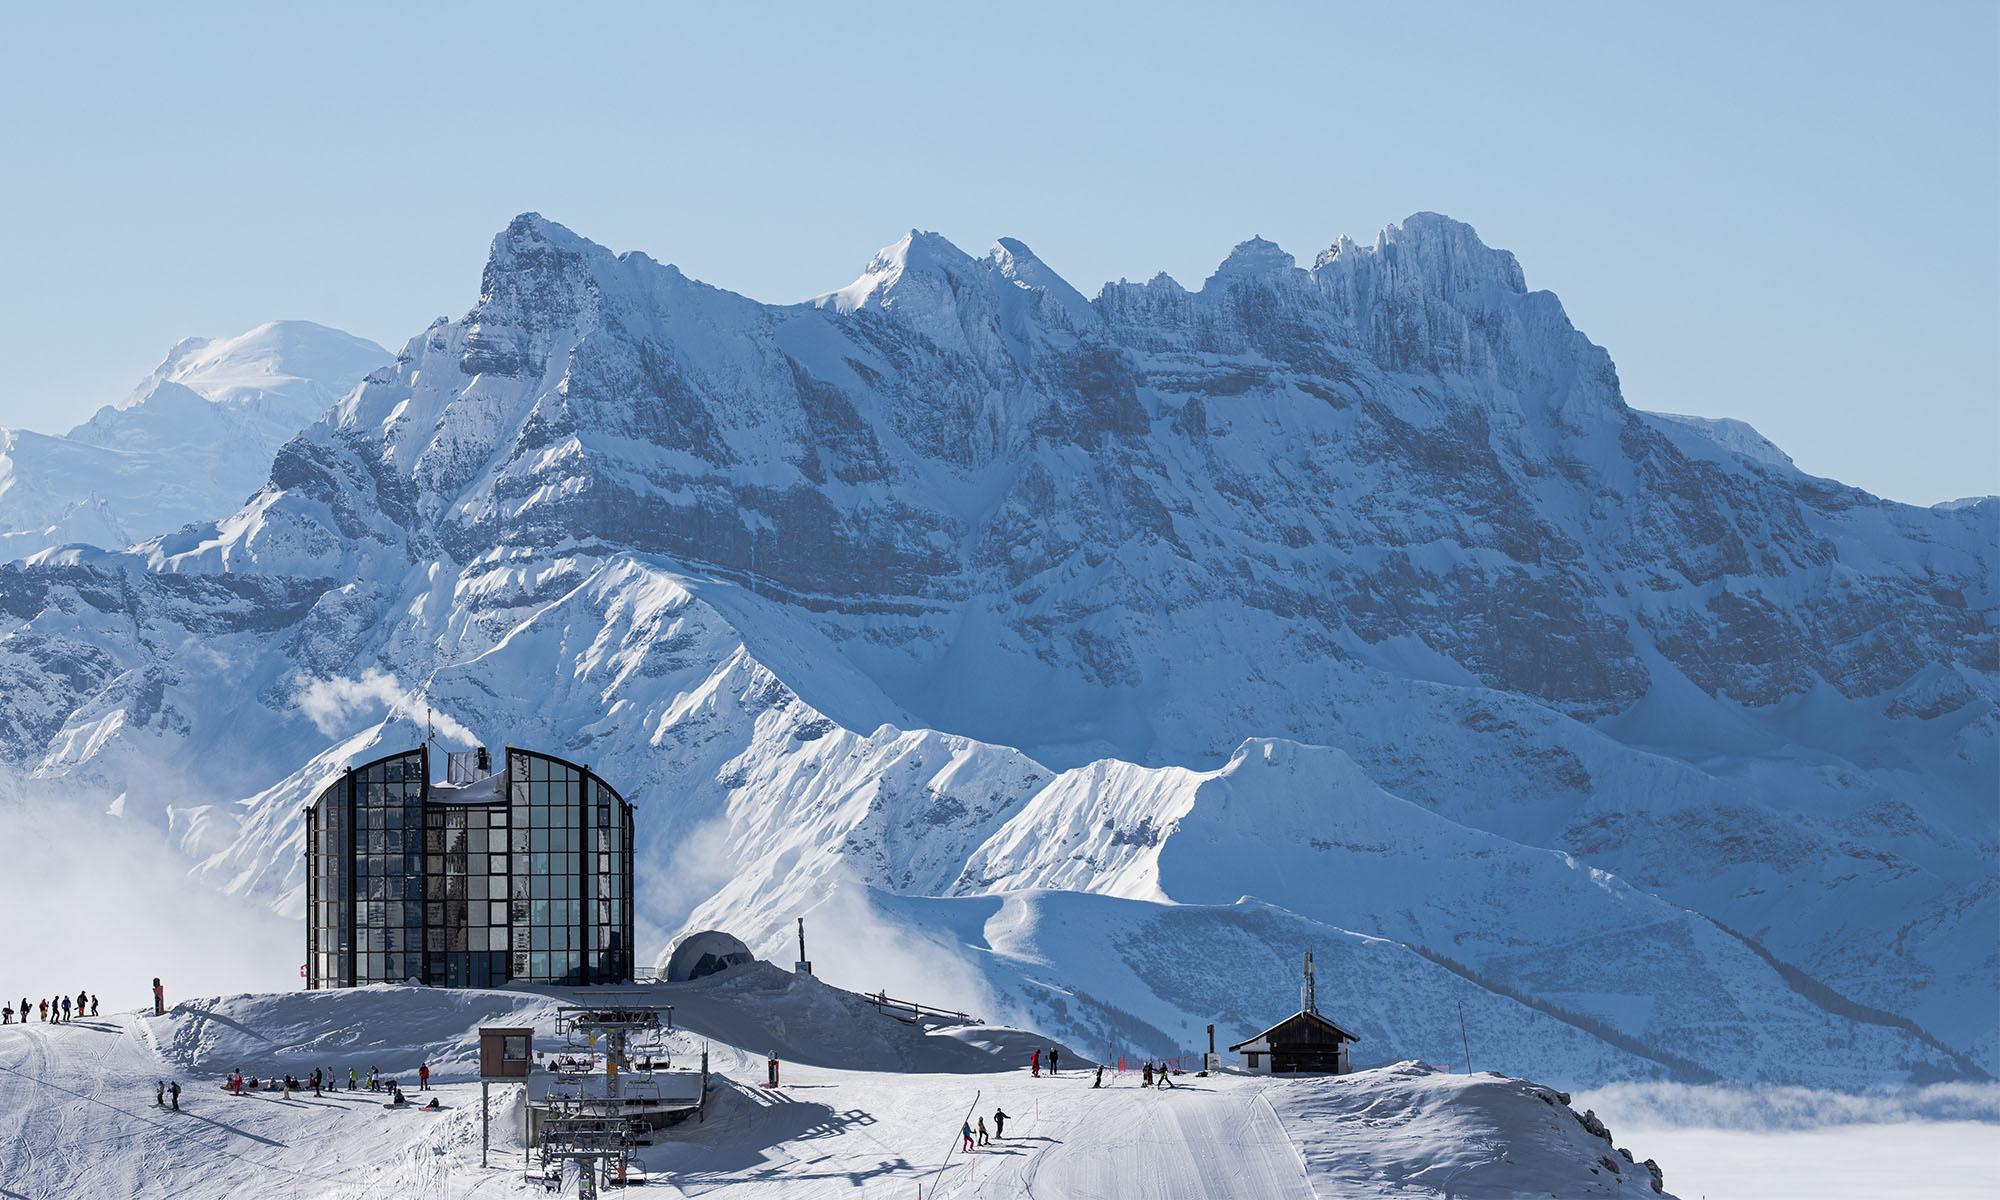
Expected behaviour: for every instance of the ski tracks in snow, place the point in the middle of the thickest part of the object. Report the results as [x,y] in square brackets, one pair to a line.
[1125,1143]
[56,1079]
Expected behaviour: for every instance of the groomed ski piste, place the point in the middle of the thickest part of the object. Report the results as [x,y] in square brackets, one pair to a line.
[868,1105]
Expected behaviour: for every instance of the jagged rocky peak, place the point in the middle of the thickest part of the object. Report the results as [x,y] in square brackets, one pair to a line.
[1253,259]
[1447,256]
[540,278]
[916,254]
[1018,265]
[1342,245]
[531,231]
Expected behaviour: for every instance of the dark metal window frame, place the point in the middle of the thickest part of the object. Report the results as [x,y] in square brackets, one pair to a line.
[601,950]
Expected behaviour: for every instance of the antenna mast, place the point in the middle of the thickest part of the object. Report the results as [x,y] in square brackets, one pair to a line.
[1308,1000]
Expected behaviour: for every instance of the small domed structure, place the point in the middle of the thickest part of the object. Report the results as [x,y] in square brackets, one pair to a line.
[705,953]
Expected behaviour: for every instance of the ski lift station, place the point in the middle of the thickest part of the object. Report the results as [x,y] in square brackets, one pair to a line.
[515,874]
[613,1083]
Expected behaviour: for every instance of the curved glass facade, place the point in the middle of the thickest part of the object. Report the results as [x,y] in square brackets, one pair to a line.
[523,876]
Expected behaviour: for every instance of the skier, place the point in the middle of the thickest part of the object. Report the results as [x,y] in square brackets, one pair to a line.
[174,1094]
[1146,1074]
[1099,1081]
[982,1132]
[65,1008]
[160,1094]
[966,1132]
[45,1012]
[1035,1062]
[83,1004]
[374,1079]
[236,1081]
[159,998]
[1053,1052]
[350,1079]
[24,1010]
[93,1004]
[316,1078]
[7,1015]
[424,1077]
[999,1123]
[1166,1076]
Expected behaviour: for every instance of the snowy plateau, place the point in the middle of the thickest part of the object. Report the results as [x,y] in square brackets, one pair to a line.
[1078,663]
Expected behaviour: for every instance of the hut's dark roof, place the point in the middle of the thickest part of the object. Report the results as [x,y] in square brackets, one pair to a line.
[1309,1016]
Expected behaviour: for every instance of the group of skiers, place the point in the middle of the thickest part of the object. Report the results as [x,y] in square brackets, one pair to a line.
[322,1082]
[975,1136]
[999,1130]
[1149,1074]
[58,1010]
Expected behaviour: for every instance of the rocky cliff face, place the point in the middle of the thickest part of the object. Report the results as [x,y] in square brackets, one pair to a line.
[772,565]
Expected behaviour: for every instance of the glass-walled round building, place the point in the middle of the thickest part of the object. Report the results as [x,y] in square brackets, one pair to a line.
[518,875]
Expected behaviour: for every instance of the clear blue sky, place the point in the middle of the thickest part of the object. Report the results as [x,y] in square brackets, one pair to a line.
[1788,213]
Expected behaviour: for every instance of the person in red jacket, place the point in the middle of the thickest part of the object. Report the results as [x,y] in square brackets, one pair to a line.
[424,1077]
[1035,1062]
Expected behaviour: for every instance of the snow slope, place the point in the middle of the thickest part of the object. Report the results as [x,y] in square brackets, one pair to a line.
[873,1111]
[1354,589]
[188,444]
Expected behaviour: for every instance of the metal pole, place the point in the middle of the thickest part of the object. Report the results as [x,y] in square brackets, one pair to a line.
[485,1118]
[955,1139]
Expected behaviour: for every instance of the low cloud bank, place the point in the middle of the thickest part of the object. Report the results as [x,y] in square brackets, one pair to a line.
[1782,1109]
[857,947]
[94,902]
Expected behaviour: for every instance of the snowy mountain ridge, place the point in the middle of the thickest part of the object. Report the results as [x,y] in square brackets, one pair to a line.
[187,444]
[1346,603]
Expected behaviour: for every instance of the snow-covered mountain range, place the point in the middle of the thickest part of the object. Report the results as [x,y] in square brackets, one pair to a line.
[1089,658]
[189,443]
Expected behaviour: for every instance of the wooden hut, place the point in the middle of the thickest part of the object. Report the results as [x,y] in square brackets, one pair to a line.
[1303,1042]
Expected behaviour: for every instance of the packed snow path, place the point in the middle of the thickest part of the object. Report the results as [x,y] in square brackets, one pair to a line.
[1193,1140]
[1064,1139]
